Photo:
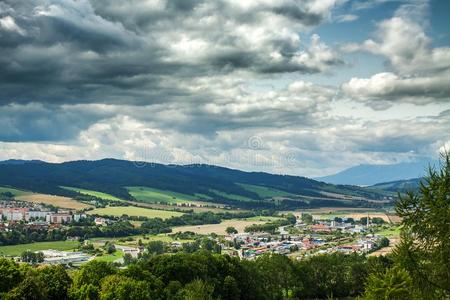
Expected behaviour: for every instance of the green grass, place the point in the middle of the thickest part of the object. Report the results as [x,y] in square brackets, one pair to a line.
[390,232]
[145,239]
[231,196]
[110,257]
[13,191]
[15,250]
[134,211]
[264,218]
[265,192]
[100,195]
[151,195]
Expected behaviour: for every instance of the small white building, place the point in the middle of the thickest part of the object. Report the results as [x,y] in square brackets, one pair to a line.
[63,257]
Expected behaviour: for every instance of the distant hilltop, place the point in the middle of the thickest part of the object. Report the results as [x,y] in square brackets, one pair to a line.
[367,174]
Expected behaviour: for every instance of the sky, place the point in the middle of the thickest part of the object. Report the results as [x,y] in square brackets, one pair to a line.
[305,87]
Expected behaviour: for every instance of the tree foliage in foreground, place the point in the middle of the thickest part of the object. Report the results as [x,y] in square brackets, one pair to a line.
[424,250]
[199,275]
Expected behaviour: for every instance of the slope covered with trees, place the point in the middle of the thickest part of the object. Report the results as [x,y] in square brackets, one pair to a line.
[214,183]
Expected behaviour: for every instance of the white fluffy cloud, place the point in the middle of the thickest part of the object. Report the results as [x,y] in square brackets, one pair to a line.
[420,73]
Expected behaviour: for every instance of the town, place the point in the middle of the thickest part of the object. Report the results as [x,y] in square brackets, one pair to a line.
[297,236]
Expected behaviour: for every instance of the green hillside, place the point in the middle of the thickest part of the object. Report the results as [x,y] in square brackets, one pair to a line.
[100,195]
[13,191]
[266,192]
[152,195]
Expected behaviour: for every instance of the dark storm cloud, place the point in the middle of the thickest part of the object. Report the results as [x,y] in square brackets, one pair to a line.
[36,122]
[136,52]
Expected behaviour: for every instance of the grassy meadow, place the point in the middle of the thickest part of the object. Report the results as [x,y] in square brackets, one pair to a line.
[151,195]
[217,228]
[15,250]
[266,192]
[100,195]
[13,191]
[134,211]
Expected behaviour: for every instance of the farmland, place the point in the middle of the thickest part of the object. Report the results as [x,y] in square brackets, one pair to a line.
[100,195]
[266,192]
[217,228]
[59,201]
[15,250]
[231,196]
[134,211]
[151,195]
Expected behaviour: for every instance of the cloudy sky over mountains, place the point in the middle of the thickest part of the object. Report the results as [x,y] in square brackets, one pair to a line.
[301,87]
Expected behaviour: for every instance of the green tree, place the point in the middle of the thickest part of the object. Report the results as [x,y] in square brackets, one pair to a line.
[291,219]
[231,230]
[10,275]
[156,247]
[424,249]
[395,284]
[198,290]
[230,289]
[384,242]
[32,257]
[57,281]
[307,218]
[87,280]
[31,288]
[117,287]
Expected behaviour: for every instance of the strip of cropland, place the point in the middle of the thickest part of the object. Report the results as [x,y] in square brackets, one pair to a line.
[134,211]
[217,228]
[152,195]
[58,201]
[100,195]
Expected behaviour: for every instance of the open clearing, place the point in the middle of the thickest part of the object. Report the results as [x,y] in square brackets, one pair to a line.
[15,250]
[110,257]
[134,211]
[217,228]
[100,195]
[151,195]
[59,201]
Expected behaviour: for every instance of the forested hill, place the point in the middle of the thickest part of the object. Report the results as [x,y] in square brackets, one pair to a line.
[113,176]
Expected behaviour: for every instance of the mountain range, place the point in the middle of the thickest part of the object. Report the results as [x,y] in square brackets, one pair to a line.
[369,174]
[206,182]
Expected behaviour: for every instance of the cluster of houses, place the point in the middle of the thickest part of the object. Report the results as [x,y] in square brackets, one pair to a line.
[314,238]
[12,211]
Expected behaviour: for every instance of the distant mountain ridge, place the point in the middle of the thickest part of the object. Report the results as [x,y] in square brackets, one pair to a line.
[400,185]
[366,174]
[113,176]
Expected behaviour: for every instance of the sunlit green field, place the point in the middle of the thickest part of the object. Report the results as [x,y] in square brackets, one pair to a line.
[110,257]
[133,239]
[265,192]
[13,191]
[15,250]
[151,195]
[134,211]
[264,218]
[390,232]
[231,196]
[93,193]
